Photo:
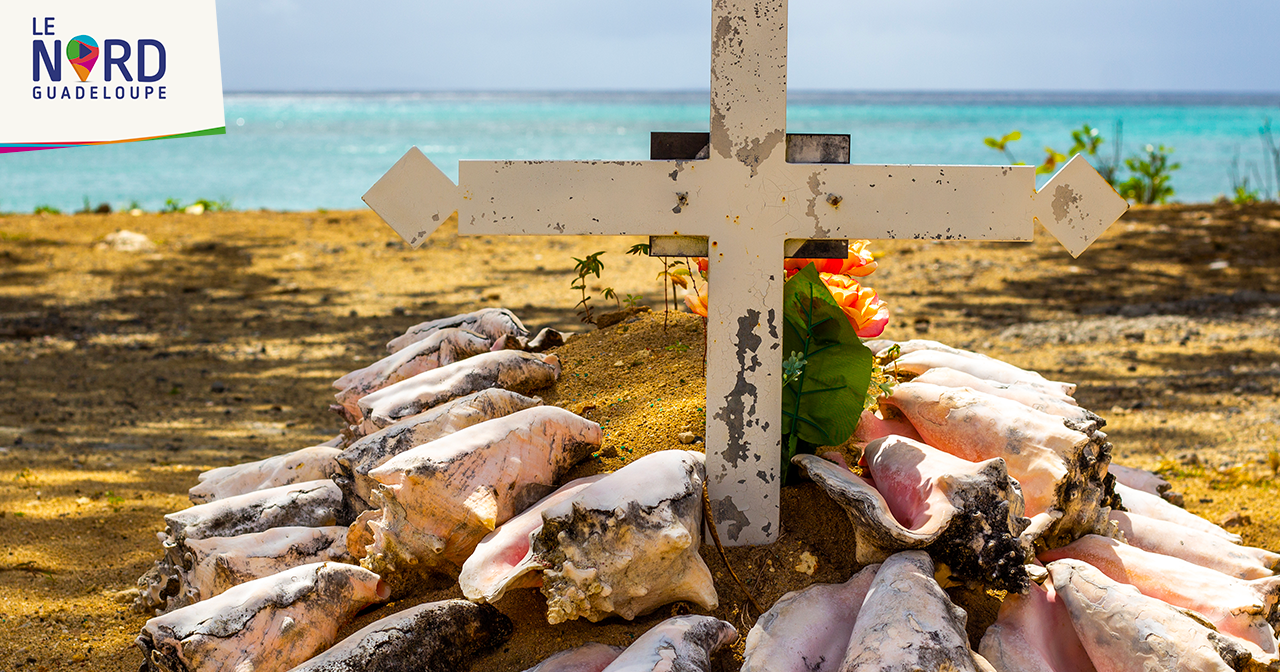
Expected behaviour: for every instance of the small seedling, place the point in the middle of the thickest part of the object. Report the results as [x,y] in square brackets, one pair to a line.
[590,265]
[114,501]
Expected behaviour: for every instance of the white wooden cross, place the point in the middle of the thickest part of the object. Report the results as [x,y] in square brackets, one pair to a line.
[747,200]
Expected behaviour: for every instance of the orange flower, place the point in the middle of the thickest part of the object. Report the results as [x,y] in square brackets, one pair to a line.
[866,312]
[697,302]
[860,263]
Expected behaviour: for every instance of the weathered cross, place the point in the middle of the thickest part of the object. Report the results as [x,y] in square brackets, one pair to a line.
[747,200]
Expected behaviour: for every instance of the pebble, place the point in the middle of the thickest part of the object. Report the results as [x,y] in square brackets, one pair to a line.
[687,438]
[1236,519]
[808,563]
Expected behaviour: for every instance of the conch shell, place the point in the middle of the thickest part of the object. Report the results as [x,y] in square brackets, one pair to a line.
[441,348]
[492,323]
[308,464]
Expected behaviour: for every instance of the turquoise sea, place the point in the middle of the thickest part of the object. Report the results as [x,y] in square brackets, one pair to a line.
[297,152]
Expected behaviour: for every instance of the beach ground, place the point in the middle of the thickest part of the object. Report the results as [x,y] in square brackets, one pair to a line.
[124,374]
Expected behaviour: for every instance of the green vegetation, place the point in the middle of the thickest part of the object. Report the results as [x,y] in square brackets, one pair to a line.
[591,265]
[47,210]
[1151,173]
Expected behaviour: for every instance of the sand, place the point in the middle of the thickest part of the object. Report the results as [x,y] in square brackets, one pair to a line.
[124,374]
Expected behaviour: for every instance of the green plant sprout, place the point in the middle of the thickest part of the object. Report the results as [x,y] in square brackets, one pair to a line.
[1003,145]
[46,210]
[590,265]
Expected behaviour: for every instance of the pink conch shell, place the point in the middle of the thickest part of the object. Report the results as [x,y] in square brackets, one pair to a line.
[1243,609]
[1154,506]
[885,422]
[1035,397]
[492,323]
[968,514]
[268,625]
[917,362]
[908,623]
[217,564]
[683,644]
[438,500]
[590,657]
[1201,548]
[497,564]
[808,630]
[1061,466]
[1033,633]
[308,464]
[431,637]
[509,369]
[441,348]
[1126,631]
[626,544]
[369,452]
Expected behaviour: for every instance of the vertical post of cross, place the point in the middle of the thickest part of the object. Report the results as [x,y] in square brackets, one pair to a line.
[744,365]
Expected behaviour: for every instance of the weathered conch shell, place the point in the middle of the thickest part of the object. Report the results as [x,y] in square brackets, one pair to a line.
[214,565]
[431,637]
[908,623]
[967,515]
[1140,479]
[1126,631]
[808,630]
[680,644]
[438,500]
[496,565]
[1154,506]
[309,504]
[1201,548]
[1033,633]
[1038,398]
[371,451]
[308,464]
[509,369]
[624,545]
[918,356]
[590,657]
[1243,609]
[1061,466]
[273,623]
[492,323]
[441,348]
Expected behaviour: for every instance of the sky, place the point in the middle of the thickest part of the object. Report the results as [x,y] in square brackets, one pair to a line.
[905,45]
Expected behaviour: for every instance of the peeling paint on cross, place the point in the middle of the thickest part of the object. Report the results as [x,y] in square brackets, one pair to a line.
[747,200]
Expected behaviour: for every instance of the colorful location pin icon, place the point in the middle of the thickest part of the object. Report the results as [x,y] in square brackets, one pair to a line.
[82,51]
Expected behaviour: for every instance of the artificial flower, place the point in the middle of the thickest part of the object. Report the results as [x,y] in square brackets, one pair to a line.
[866,312]
[860,262]
[697,302]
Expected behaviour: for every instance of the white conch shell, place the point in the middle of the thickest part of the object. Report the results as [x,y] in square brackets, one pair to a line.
[1033,633]
[509,369]
[308,504]
[441,348]
[969,515]
[1061,465]
[432,637]
[1202,548]
[917,362]
[1154,506]
[267,625]
[1038,398]
[369,452]
[1139,479]
[308,464]
[908,623]
[1126,631]
[624,545]
[438,500]
[1243,609]
[808,630]
[590,657]
[496,565]
[680,644]
[217,564]
[492,323]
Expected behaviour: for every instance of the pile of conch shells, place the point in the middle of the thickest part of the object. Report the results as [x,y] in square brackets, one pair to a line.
[972,473]
[442,448]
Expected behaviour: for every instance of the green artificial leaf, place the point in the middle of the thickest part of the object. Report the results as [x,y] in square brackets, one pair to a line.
[822,404]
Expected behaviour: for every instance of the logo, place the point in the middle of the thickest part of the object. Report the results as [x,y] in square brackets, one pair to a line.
[82,51]
[117,71]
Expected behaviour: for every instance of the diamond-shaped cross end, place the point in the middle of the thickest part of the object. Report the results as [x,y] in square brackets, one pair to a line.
[414,197]
[1077,205]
